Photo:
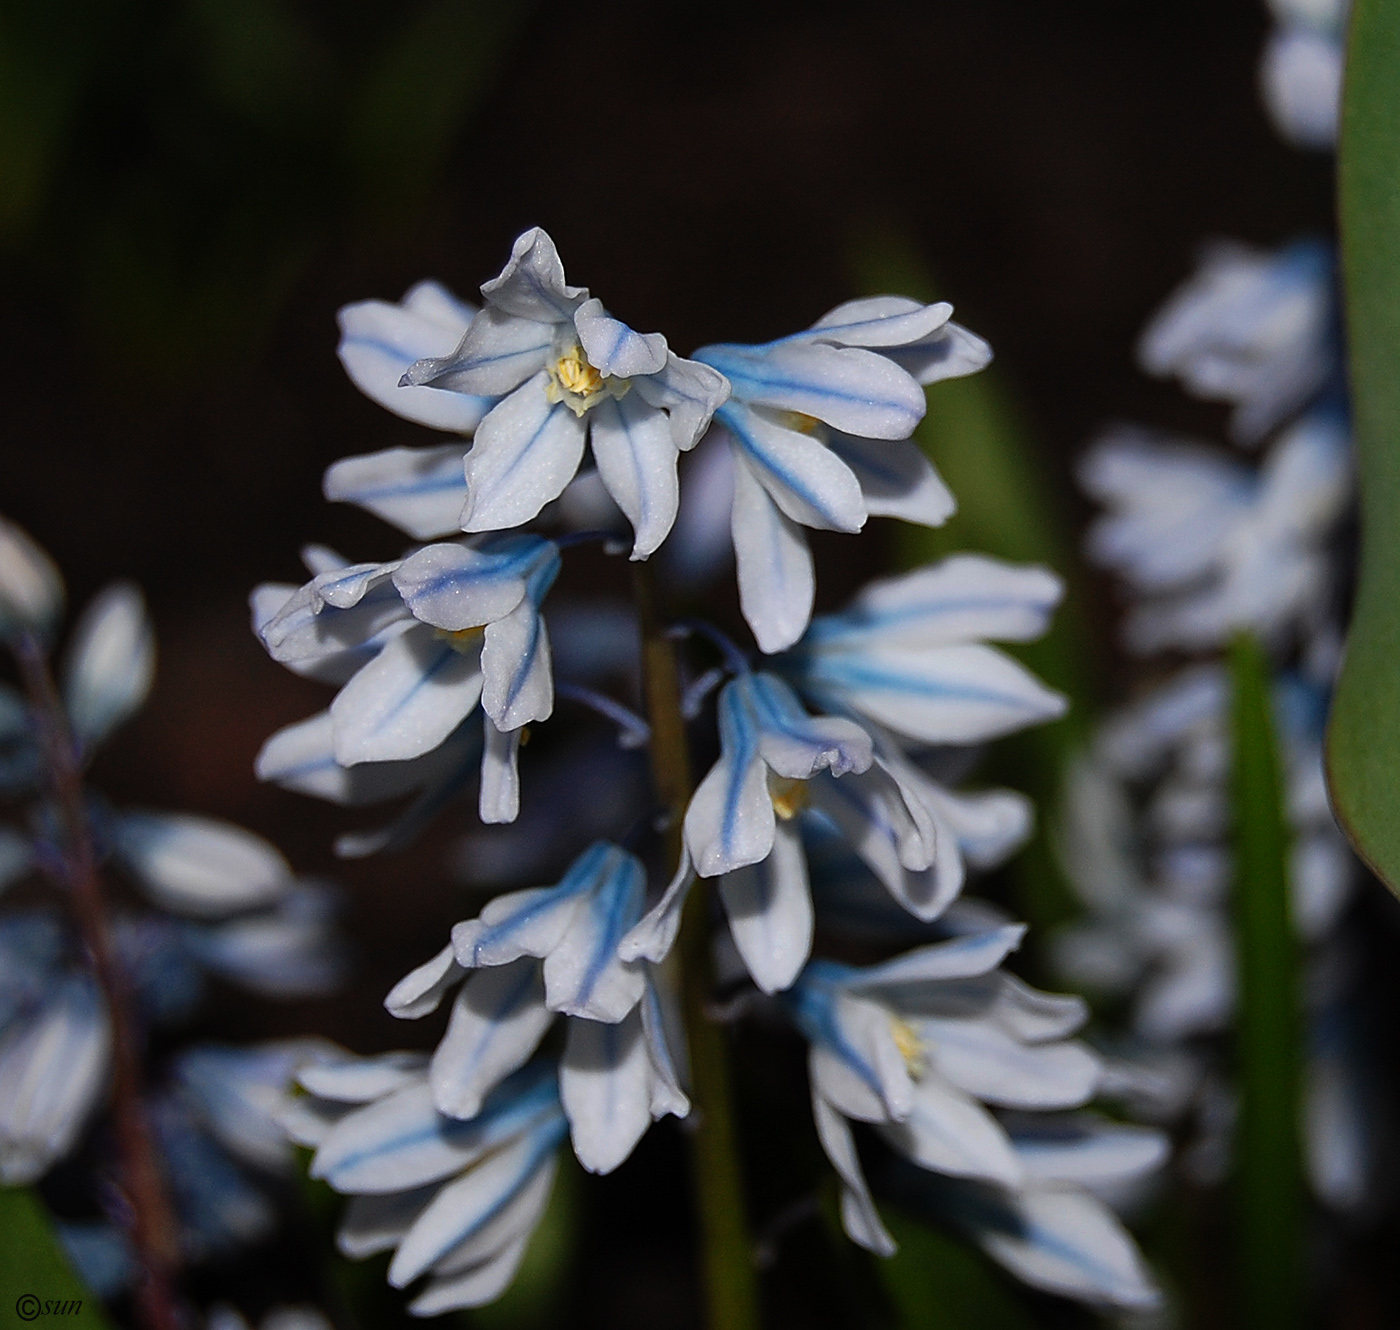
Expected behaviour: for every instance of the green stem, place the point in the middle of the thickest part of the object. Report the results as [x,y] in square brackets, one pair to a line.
[1269,1155]
[731,1288]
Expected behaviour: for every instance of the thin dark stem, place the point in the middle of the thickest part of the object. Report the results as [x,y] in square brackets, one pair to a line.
[731,1287]
[154,1233]
[735,661]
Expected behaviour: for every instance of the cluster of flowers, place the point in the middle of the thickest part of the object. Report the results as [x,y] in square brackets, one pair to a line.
[215,900]
[1210,544]
[826,738]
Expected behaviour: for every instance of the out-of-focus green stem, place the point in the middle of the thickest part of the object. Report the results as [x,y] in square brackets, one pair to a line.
[727,1268]
[1268,1170]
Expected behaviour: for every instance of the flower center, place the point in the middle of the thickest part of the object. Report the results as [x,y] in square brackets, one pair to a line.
[463,640]
[911,1047]
[789,796]
[578,384]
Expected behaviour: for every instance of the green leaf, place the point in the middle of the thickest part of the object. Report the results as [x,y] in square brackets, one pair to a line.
[1268,1151]
[1364,739]
[34,1272]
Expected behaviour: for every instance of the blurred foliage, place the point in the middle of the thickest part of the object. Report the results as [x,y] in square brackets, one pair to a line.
[1364,737]
[174,165]
[1011,505]
[33,1264]
[1269,1172]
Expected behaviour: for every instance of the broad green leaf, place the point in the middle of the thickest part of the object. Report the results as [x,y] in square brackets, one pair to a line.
[1268,1151]
[34,1273]
[1364,739]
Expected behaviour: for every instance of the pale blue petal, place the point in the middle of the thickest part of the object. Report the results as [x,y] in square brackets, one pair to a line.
[53,1068]
[372,1224]
[379,341]
[950,353]
[406,701]
[962,597]
[420,490]
[310,626]
[858,1214]
[654,935]
[475,1287]
[31,587]
[497,354]
[497,1022]
[636,458]
[499,798]
[199,865]
[808,481]
[605,1087]
[663,1028]
[983,1060]
[895,478]
[769,908]
[110,663]
[776,581]
[457,585]
[353,1080]
[958,958]
[1088,1150]
[851,389]
[612,348]
[795,744]
[471,1202]
[730,819]
[402,1141]
[690,393]
[948,1132]
[515,656]
[1069,1243]
[420,991]
[526,451]
[512,1222]
[878,321]
[531,285]
[291,951]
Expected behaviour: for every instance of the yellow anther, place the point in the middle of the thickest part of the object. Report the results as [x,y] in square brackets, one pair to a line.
[910,1046]
[464,640]
[789,797]
[576,375]
[800,421]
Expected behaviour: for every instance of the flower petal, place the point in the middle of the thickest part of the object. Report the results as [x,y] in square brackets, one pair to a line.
[612,348]
[31,587]
[515,663]
[531,285]
[730,819]
[851,389]
[770,911]
[420,991]
[859,1216]
[982,1059]
[406,701]
[526,451]
[690,393]
[776,581]
[636,458]
[379,341]
[605,1086]
[496,355]
[895,478]
[795,744]
[499,800]
[950,353]
[958,958]
[808,481]
[419,490]
[654,935]
[949,1132]
[878,321]
[199,865]
[110,663]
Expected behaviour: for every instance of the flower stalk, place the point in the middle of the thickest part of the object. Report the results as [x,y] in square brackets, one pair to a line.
[727,1266]
[153,1230]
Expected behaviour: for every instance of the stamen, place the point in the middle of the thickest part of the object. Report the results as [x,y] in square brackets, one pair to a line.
[911,1047]
[464,640]
[789,796]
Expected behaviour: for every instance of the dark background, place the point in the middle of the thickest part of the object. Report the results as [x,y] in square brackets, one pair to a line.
[189,190]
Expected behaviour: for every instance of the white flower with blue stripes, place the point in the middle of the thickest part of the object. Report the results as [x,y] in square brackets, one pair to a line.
[1253,328]
[919,1046]
[530,955]
[819,425]
[567,373]
[420,642]
[454,1200]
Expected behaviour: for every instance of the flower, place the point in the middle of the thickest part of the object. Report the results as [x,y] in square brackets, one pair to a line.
[420,641]
[31,587]
[567,372]
[540,951]
[1213,545]
[919,1045]
[819,425]
[455,1200]
[1300,75]
[1252,328]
